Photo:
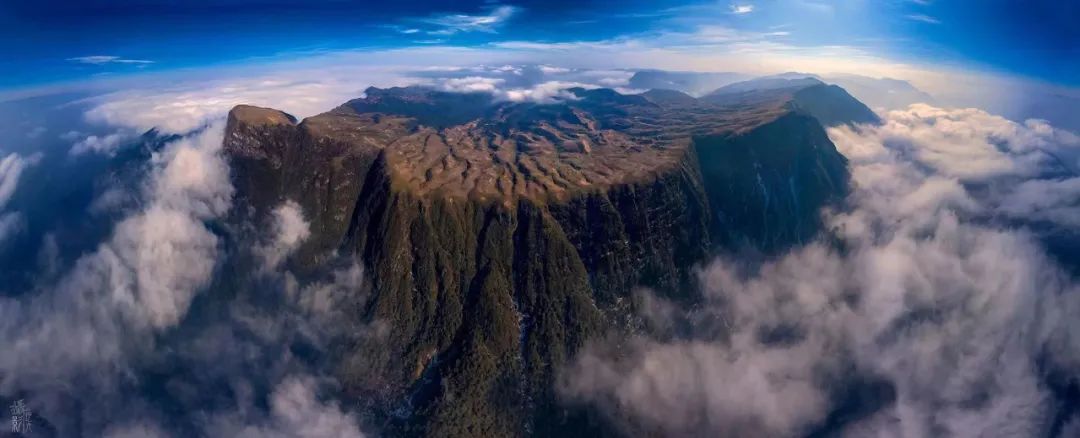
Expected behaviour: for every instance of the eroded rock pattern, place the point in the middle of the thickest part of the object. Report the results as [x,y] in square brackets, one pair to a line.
[498,237]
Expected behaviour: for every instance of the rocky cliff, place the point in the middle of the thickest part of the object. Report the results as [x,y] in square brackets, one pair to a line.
[498,237]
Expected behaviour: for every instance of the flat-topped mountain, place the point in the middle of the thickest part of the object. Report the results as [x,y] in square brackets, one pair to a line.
[442,144]
[830,104]
[499,237]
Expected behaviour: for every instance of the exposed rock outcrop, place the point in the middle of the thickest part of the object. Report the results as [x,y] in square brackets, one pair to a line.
[499,237]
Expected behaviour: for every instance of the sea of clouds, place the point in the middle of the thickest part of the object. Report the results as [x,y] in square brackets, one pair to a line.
[933,309]
[88,346]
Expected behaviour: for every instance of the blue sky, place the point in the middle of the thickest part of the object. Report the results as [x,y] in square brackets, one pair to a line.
[50,41]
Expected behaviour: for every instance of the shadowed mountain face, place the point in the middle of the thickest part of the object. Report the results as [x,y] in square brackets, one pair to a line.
[830,104]
[878,93]
[778,82]
[499,237]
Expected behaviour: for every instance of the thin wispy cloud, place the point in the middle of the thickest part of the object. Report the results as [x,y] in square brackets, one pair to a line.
[924,18]
[107,59]
[741,9]
[455,23]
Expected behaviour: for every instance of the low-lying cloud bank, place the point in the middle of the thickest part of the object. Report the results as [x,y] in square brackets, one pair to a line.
[929,316]
[87,324]
[11,169]
[187,105]
[936,315]
[167,312]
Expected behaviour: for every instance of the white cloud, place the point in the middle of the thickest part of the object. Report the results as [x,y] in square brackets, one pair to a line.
[454,23]
[304,92]
[472,84]
[12,167]
[105,145]
[923,18]
[107,59]
[741,9]
[961,319]
[188,105]
[973,145]
[548,69]
[289,229]
[546,92]
[108,307]
[326,301]
[1022,164]
[295,411]
[1056,201]
[10,224]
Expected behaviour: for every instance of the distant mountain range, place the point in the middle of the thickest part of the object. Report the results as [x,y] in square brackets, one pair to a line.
[881,93]
[693,83]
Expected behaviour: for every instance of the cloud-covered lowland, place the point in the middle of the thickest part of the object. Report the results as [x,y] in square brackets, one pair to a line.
[930,312]
[930,307]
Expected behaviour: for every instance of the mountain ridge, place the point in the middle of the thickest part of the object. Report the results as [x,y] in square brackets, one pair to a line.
[487,291]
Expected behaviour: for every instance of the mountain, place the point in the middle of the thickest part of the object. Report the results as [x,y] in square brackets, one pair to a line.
[878,93]
[830,104]
[500,237]
[764,83]
[694,83]
[886,93]
[669,97]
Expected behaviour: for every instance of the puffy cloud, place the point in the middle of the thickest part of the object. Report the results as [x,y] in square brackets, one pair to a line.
[12,167]
[289,230]
[295,411]
[742,9]
[105,145]
[1056,201]
[10,223]
[545,92]
[298,413]
[548,69]
[325,301]
[190,105]
[1026,170]
[113,315]
[927,320]
[106,311]
[968,144]
[472,84]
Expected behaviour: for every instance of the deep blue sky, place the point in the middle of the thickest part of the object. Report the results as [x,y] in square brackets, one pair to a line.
[1038,39]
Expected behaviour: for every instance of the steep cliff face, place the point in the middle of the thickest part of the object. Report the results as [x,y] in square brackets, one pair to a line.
[499,237]
[829,104]
[766,187]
